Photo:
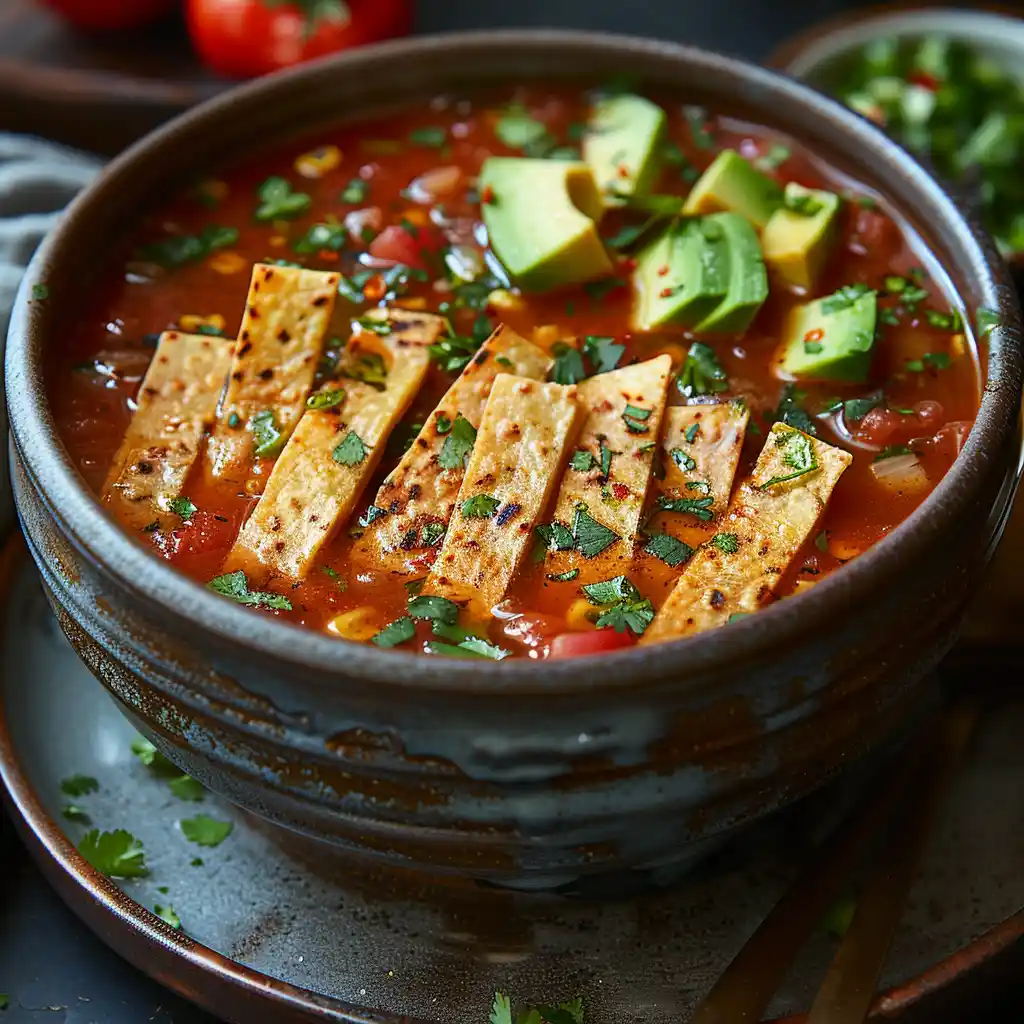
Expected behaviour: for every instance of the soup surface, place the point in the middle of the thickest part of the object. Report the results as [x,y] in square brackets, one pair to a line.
[693,368]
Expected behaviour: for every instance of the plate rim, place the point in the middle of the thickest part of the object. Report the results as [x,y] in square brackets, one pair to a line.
[212,981]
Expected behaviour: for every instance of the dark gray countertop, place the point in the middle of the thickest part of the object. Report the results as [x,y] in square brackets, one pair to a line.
[54,968]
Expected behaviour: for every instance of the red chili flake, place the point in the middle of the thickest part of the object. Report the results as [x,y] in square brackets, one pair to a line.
[375,289]
[665,293]
[487,195]
[327,254]
[620,492]
[816,335]
[662,271]
[924,80]
[623,171]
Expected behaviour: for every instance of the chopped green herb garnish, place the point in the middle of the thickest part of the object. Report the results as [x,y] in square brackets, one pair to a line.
[604,353]
[821,541]
[699,507]
[891,451]
[625,608]
[442,423]
[184,787]
[330,237]
[590,536]
[266,436]
[40,293]
[843,298]
[116,854]
[910,297]
[555,536]
[568,367]
[564,577]
[327,399]
[792,413]
[397,632]
[183,508]
[372,514]
[606,460]
[929,361]
[453,353]
[458,444]
[682,460]
[798,455]
[691,432]
[517,130]
[697,118]
[434,608]
[582,461]
[802,204]
[429,137]
[597,290]
[167,915]
[432,534]
[856,409]
[943,321]
[178,250]
[986,321]
[839,917]
[736,616]
[374,325]
[355,191]
[894,284]
[669,549]
[369,368]
[888,317]
[635,417]
[235,586]
[279,202]
[727,543]
[72,812]
[204,830]
[702,373]
[351,450]
[480,506]
[774,158]
[79,785]
[148,755]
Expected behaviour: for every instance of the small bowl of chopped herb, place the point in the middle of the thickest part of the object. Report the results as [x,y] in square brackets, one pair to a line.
[945,83]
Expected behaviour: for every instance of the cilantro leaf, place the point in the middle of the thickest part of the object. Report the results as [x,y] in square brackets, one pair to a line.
[518,130]
[458,444]
[568,368]
[798,455]
[480,506]
[183,508]
[682,460]
[582,461]
[986,321]
[395,633]
[563,577]
[844,297]
[372,514]
[792,413]
[855,409]
[702,373]
[184,787]
[351,450]
[501,1009]
[355,191]
[635,616]
[167,915]
[432,534]
[235,586]
[267,438]
[609,591]
[469,642]
[590,536]
[430,137]
[329,237]
[635,417]
[440,609]
[152,758]
[178,250]
[776,156]
[555,536]
[669,549]
[79,785]
[326,399]
[369,368]
[116,854]
[204,830]
[727,543]
[40,293]
[72,812]
[699,507]
[604,353]
[890,452]
[279,202]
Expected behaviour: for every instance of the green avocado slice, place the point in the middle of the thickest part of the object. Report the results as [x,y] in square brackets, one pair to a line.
[747,286]
[681,276]
[623,146]
[541,218]
[800,236]
[831,338]
[732,183]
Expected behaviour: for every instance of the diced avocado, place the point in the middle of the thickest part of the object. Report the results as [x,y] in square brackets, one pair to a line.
[799,237]
[623,145]
[541,216]
[747,280]
[832,338]
[681,276]
[731,183]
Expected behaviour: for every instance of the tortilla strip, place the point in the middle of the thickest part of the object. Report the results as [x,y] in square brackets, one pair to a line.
[768,523]
[287,313]
[618,500]
[524,439]
[419,490]
[176,406]
[700,445]
[310,493]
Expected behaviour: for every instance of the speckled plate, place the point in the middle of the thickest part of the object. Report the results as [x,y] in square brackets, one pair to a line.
[274,932]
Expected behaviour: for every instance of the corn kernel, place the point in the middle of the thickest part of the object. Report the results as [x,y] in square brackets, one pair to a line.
[956,344]
[191,323]
[677,352]
[358,624]
[278,240]
[504,300]
[546,334]
[581,614]
[417,217]
[318,162]
[417,303]
[844,549]
[227,262]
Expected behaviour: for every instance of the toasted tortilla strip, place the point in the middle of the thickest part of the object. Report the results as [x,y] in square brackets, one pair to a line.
[287,313]
[615,501]
[524,438]
[700,450]
[176,406]
[419,490]
[315,484]
[769,521]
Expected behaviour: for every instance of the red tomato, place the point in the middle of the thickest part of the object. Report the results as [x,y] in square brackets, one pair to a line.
[246,38]
[575,645]
[102,15]
[878,426]
[399,245]
[204,532]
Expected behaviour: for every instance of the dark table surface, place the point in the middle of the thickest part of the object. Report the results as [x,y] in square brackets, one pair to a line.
[56,971]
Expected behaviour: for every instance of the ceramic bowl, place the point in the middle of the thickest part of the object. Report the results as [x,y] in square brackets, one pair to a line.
[515,772]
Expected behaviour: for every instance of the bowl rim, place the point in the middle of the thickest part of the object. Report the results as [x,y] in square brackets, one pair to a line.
[153,583]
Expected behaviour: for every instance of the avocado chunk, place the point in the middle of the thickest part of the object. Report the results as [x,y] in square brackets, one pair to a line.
[681,276]
[832,338]
[799,237]
[541,217]
[746,281]
[623,146]
[731,183]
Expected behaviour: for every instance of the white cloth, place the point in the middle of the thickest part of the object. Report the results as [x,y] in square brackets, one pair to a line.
[37,180]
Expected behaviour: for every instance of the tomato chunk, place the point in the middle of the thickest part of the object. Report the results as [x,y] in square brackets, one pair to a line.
[575,645]
[400,245]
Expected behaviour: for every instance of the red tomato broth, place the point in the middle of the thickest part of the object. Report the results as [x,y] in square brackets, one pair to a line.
[93,409]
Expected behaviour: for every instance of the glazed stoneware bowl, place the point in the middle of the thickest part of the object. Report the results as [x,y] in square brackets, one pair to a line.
[515,772]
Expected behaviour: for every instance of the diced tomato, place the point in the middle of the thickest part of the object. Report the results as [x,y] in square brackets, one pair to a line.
[878,426]
[875,231]
[400,245]
[575,645]
[204,533]
[929,413]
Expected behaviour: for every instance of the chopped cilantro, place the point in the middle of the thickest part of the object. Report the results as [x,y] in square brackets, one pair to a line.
[888,317]
[697,119]
[912,295]
[582,461]
[373,513]
[669,549]
[699,507]
[943,321]
[72,812]
[480,506]
[79,785]
[435,608]
[116,854]
[894,284]
[986,321]
[597,290]
[555,536]
[676,159]
[727,543]
[184,787]
[604,353]
[151,757]
[355,191]
[609,591]
[178,250]
[432,534]
[776,156]
[40,293]
[235,586]
[442,423]
[606,460]
[397,632]
[929,361]
[431,137]
[798,456]
[453,353]
[568,367]
[351,450]
[465,642]
[802,204]
[821,541]
[517,130]
[625,608]
[736,616]
[204,830]
[267,438]
[167,915]
[856,409]
[682,460]
[279,202]
[369,368]
[702,373]
[590,536]
[458,444]
[183,508]
[691,432]
[630,234]
[563,577]
[843,298]
[327,399]
[792,413]
[635,417]
[373,325]
[325,236]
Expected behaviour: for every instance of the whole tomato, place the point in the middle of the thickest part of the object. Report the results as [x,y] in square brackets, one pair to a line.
[101,15]
[246,38]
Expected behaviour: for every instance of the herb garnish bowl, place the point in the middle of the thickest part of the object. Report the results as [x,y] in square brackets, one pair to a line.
[513,772]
